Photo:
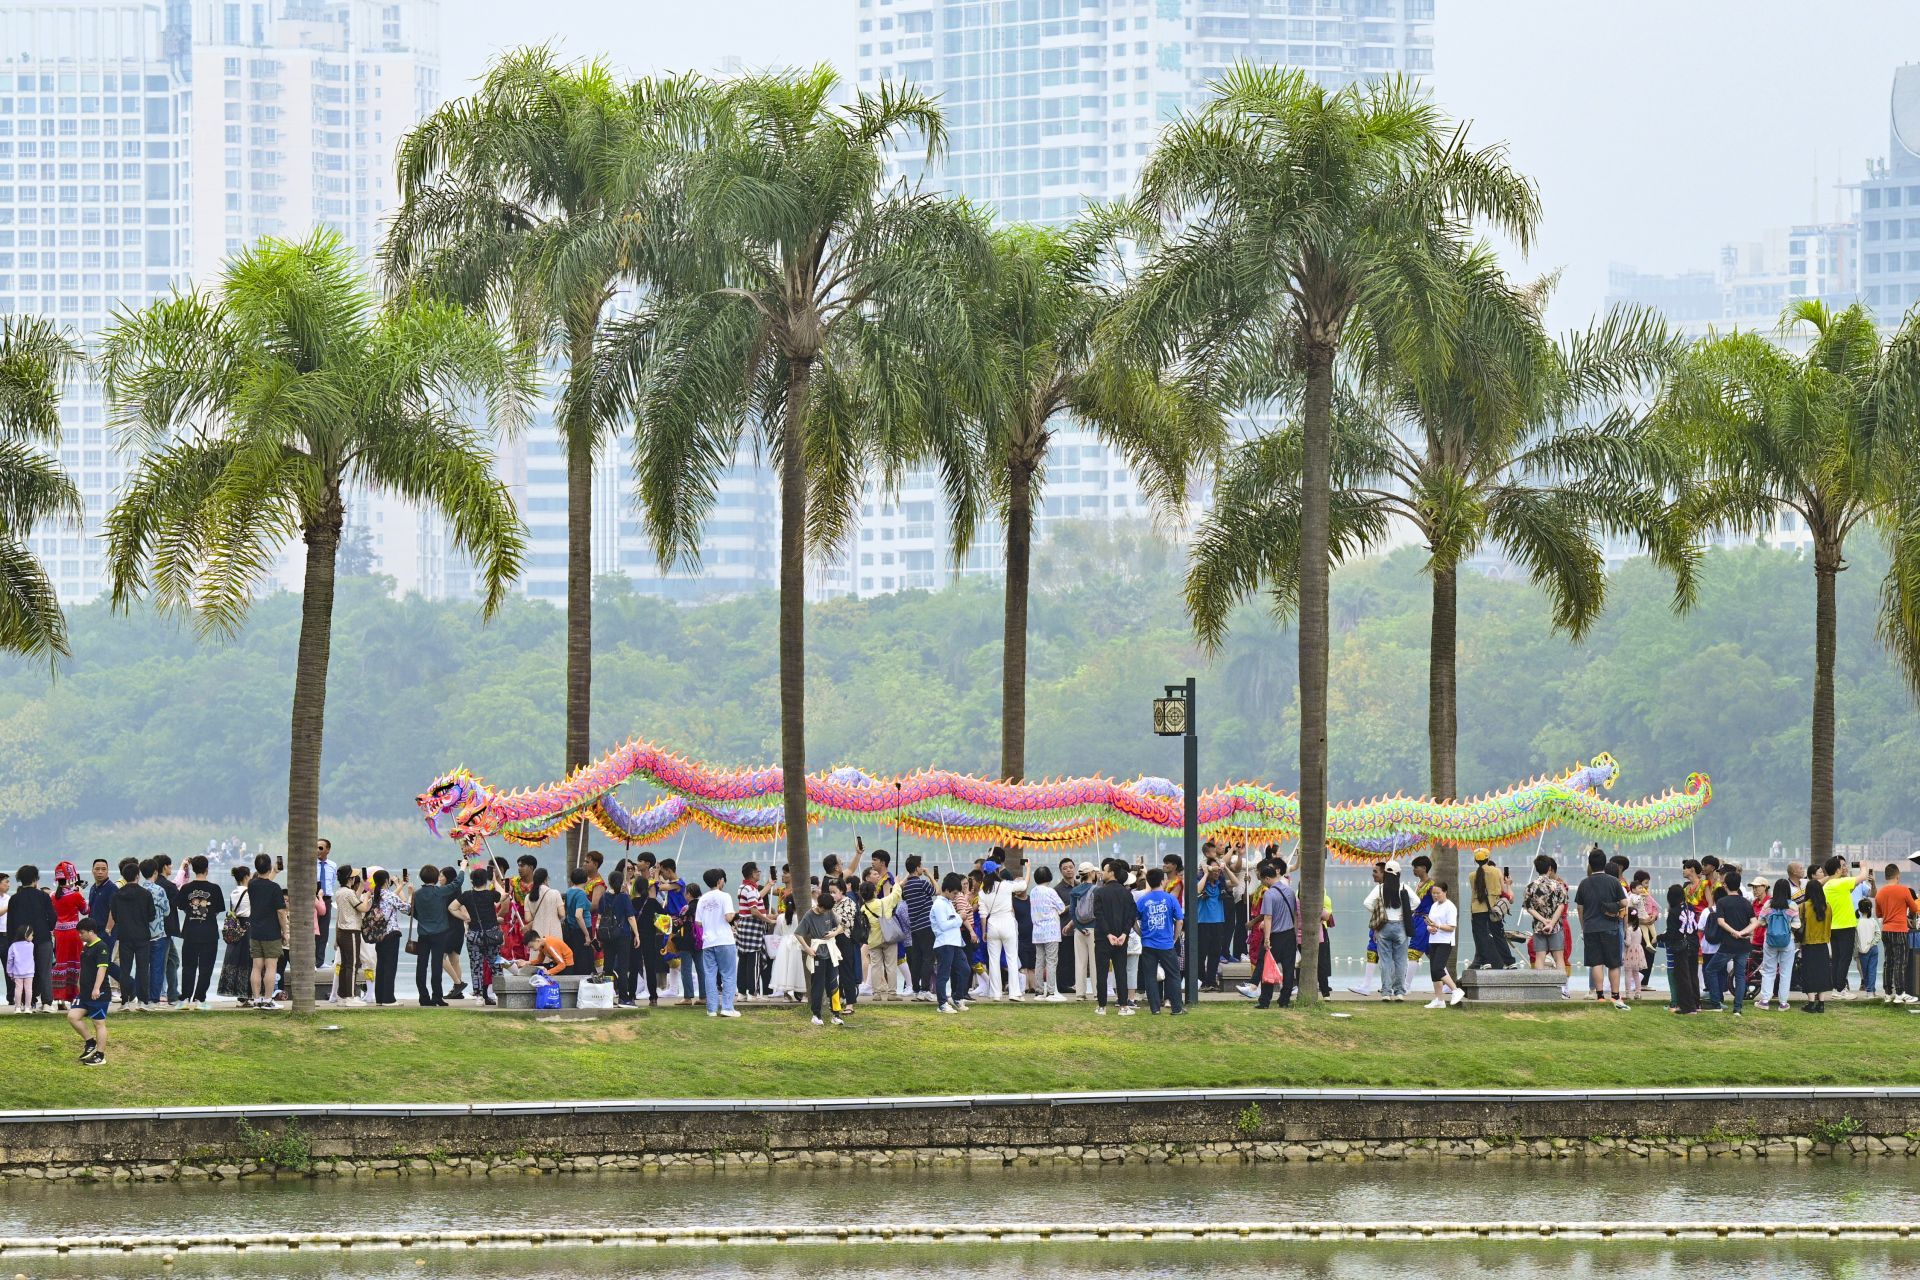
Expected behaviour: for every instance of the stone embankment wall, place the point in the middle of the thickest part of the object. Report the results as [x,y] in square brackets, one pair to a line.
[1226,1126]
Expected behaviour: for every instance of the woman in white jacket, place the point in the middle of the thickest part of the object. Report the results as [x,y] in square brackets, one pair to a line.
[995,906]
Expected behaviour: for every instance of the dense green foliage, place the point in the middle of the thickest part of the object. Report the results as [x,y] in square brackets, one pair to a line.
[147,721]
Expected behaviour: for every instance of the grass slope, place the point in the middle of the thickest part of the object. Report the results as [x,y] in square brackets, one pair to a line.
[451,1056]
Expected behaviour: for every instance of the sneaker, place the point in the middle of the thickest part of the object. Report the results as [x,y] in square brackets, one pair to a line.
[946,1008]
[1621,1004]
[729,1013]
[1436,1003]
[839,1022]
[1056,998]
[1736,1013]
[961,1005]
[1762,1005]
[1127,1011]
[712,1013]
[93,1059]
[88,1049]
[818,1023]
[1456,998]
[1100,1009]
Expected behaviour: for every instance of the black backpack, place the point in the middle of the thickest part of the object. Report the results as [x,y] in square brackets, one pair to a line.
[862,927]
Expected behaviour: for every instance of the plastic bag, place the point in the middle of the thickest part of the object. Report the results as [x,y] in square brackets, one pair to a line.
[596,993]
[546,995]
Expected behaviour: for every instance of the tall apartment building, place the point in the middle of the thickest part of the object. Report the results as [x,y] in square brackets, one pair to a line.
[738,544]
[1051,104]
[1890,207]
[94,206]
[142,142]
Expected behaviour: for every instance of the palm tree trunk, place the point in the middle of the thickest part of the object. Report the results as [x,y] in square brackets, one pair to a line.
[1826,572]
[1013,656]
[579,438]
[793,622]
[1443,713]
[1315,639]
[309,729]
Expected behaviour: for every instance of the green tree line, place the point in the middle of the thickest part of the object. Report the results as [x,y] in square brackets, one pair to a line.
[148,720]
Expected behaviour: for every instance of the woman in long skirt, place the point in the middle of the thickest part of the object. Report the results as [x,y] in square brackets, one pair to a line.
[789,968]
[69,904]
[236,970]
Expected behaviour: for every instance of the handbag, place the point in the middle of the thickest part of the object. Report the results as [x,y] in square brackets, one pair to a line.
[412,947]
[1270,971]
[233,930]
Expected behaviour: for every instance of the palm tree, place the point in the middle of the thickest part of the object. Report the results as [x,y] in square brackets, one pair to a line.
[36,359]
[521,200]
[1310,216]
[810,297]
[1485,441]
[253,407]
[1827,436]
[1048,295]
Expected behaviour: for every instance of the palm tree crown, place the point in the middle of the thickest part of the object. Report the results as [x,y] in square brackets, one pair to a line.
[529,200]
[36,359]
[1306,216]
[253,407]
[1828,436]
[1498,437]
[810,297]
[1043,308]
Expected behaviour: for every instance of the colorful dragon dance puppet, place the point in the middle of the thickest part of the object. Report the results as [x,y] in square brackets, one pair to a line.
[746,805]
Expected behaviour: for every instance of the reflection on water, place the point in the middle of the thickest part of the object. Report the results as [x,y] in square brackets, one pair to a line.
[1740,1191]
[1059,1262]
[1745,1191]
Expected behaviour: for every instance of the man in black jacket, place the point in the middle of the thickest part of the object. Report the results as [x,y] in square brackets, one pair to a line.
[1114,915]
[30,919]
[132,909]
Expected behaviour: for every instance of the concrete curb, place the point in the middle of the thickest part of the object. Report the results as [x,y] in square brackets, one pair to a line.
[1732,1096]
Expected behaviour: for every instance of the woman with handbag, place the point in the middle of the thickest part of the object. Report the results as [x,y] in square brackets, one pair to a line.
[380,925]
[236,970]
[349,901]
[479,910]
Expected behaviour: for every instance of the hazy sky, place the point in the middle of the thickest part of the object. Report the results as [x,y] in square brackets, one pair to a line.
[1657,129]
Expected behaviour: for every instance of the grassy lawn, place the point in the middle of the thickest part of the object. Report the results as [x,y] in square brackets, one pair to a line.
[454,1055]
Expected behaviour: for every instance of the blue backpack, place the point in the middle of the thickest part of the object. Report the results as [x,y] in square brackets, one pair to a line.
[1779,932]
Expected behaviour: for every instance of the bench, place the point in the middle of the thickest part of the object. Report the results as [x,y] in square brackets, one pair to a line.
[515,990]
[1512,986]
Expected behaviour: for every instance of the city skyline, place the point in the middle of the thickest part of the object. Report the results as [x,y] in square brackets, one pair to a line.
[206,187]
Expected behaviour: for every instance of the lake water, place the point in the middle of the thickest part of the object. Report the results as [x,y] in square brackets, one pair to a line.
[1739,1192]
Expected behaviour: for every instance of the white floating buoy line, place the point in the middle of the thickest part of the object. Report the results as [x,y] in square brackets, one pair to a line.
[170,1247]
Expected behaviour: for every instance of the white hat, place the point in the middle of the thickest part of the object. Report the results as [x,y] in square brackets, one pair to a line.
[1393,866]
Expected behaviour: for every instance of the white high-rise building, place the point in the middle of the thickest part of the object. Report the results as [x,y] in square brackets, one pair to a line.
[1051,104]
[299,108]
[142,142]
[739,542]
[94,204]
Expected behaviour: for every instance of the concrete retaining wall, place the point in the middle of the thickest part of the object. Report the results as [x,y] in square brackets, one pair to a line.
[1165,1127]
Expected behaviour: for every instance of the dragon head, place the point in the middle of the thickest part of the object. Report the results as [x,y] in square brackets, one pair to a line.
[458,795]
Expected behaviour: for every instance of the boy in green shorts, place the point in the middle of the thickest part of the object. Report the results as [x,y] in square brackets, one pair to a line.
[95,996]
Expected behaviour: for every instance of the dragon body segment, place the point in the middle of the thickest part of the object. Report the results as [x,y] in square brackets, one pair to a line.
[746,805]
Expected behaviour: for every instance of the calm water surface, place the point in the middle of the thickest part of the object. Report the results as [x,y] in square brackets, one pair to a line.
[1745,1192]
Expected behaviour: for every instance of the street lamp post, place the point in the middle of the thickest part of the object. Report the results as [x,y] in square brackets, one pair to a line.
[1173,717]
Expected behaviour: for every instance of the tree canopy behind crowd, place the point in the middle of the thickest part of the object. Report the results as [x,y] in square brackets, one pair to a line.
[148,721]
